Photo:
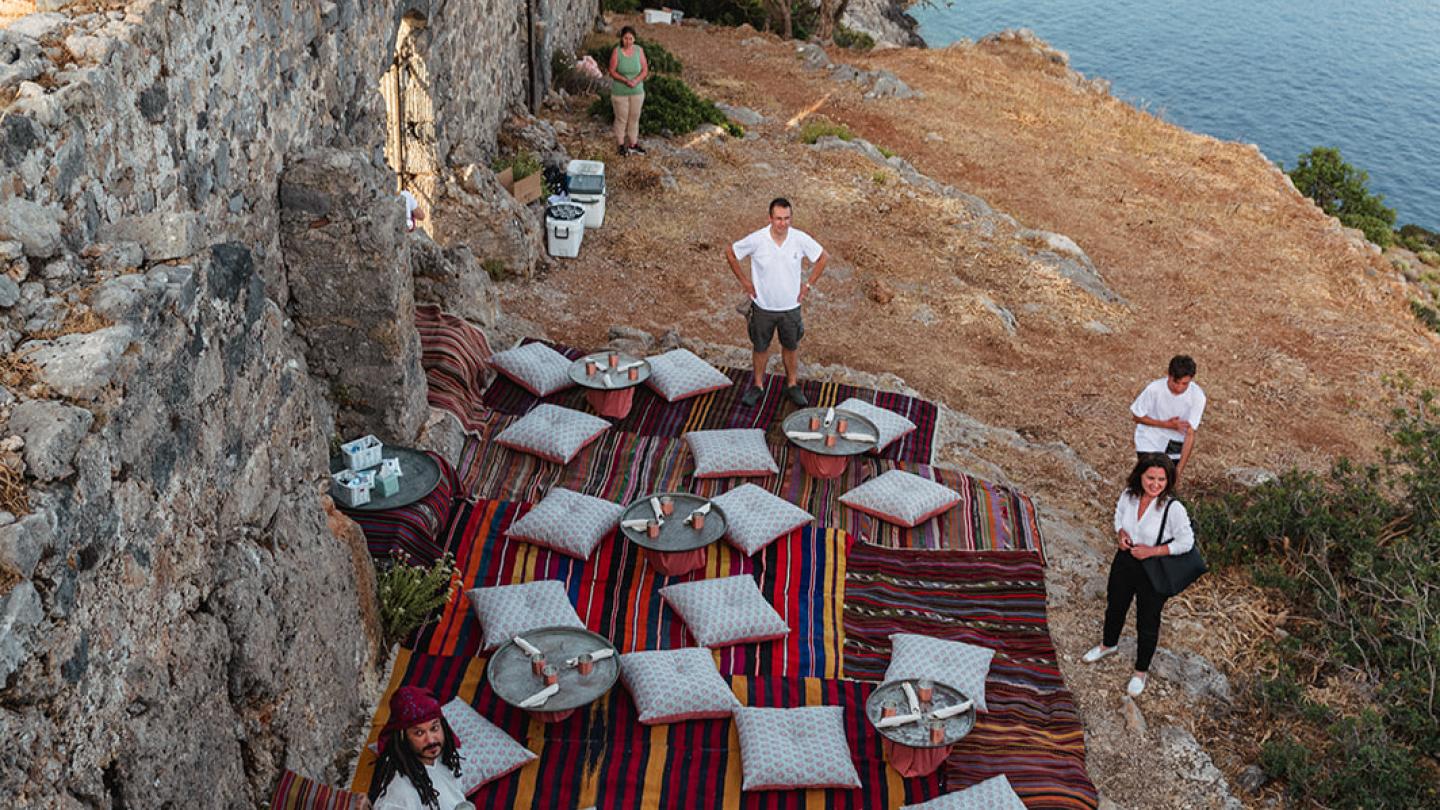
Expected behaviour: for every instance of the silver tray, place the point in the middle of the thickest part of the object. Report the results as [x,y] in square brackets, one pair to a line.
[620,380]
[917,735]
[676,534]
[800,420]
[512,680]
[419,475]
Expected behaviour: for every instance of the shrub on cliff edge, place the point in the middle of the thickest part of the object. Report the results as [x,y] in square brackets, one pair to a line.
[1343,192]
[670,107]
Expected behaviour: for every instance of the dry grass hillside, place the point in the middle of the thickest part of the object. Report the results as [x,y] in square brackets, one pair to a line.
[1292,322]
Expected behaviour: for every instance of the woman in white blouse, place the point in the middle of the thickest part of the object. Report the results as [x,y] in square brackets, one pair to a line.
[1138,516]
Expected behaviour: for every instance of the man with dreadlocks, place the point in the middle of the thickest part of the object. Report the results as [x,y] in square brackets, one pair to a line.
[419,764]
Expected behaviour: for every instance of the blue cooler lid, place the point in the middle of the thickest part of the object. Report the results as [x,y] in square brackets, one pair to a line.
[587,184]
[565,211]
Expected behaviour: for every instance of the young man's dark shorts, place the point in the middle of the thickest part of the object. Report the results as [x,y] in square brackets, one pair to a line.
[765,323]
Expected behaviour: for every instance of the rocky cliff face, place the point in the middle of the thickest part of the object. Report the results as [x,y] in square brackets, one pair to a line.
[177,620]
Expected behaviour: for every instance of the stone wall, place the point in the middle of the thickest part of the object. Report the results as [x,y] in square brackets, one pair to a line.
[177,620]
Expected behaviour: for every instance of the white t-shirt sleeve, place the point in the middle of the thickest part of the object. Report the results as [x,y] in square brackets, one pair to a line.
[1120,510]
[746,246]
[1179,530]
[810,247]
[1144,403]
[1198,408]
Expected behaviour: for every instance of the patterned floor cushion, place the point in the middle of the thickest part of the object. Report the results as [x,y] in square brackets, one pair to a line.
[783,749]
[535,367]
[729,610]
[486,751]
[890,424]
[754,517]
[902,498]
[674,685]
[953,663]
[994,793]
[737,452]
[679,374]
[506,611]
[569,522]
[552,432]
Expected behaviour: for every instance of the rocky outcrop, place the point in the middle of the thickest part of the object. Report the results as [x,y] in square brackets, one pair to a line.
[342,232]
[884,20]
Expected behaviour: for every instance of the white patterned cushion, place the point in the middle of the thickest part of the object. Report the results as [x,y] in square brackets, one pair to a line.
[729,610]
[569,522]
[674,685]
[486,751]
[552,432]
[890,424]
[953,663]
[679,374]
[901,497]
[731,452]
[994,793]
[535,367]
[506,611]
[795,748]
[755,517]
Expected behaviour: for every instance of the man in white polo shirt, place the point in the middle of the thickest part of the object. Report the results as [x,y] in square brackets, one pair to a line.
[1167,412]
[776,285]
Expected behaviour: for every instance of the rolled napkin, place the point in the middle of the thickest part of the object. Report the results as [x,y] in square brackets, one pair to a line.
[911,697]
[530,649]
[897,720]
[859,437]
[829,417]
[803,435]
[608,382]
[539,698]
[659,514]
[595,655]
[628,366]
[636,525]
[702,510]
[951,711]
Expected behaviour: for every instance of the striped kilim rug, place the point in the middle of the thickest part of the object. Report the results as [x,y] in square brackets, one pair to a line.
[651,415]
[1032,733]
[622,467]
[454,355]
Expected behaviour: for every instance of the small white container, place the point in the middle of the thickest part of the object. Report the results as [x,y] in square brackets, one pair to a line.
[564,230]
[676,15]
[655,16]
[578,167]
[594,208]
[362,452]
[352,488]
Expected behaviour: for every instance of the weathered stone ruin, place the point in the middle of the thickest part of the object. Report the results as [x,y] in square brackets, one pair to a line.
[206,281]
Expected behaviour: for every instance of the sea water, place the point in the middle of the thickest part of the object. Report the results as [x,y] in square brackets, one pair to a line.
[1287,75]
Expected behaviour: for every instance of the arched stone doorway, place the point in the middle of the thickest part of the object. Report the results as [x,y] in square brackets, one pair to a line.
[410,115]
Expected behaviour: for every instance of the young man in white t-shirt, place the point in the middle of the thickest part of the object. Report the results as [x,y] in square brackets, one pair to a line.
[1167,413]
[776,285]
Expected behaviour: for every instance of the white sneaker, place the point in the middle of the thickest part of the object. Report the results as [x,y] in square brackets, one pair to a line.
[1097,652]
[1136,685]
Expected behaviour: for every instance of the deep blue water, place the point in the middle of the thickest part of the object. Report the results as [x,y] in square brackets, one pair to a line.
[1287,75]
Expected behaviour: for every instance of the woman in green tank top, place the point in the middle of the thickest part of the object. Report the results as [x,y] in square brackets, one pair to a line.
[629,68]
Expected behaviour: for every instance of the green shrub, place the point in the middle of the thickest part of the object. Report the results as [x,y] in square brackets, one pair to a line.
[1428,315]
[852,39]
[817,128]
[1342,191]
[670,107]
[661,60]
[1419,239]
[1356,553]
[522,164]
[410,594]
[1429,257]
[622,6]
[803,14]
[495,269]
[887,152]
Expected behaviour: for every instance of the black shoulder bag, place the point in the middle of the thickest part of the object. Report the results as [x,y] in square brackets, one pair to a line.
[1172,573]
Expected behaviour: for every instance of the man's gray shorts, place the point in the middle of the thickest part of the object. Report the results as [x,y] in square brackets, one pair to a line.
[765,323]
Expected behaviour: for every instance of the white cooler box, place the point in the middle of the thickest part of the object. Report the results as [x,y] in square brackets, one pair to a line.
[588,192]
[564,230]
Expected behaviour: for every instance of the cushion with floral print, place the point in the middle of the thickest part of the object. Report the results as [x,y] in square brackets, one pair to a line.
[669,686]
[552,432]
[729,610]
[754,517]
[535,367]
[568,522]
[890,424]
[994,793]
[737,452]
[953,663]
[506,611]
[486,751]
[902,498]
[805,747]
[679,374]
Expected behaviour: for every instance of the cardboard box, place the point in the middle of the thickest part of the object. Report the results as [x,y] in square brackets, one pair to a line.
[525,190]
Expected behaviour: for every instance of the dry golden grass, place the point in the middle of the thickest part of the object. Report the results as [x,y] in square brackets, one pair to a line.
[14,495]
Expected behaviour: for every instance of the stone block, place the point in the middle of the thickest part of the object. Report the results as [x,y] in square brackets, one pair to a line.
[162,235]
[41,25]
[80,366]
[52,432]
[20,613]
[9,291]
[23,543]
[36,227]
